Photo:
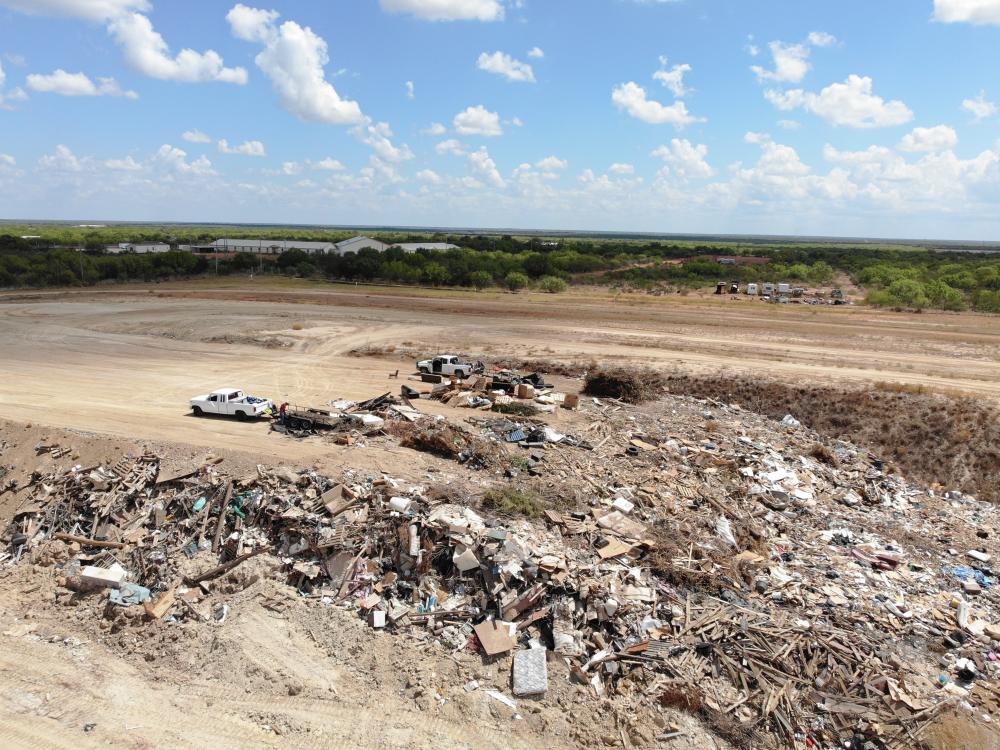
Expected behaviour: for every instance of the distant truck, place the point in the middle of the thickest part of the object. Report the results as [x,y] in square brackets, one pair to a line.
[752,290]
[447,364]
[231,402]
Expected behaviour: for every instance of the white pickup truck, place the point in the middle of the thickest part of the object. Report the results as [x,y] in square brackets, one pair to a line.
[230,402]
[446,364]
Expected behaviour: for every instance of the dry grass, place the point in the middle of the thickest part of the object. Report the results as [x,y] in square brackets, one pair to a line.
[931,437]
[633,385]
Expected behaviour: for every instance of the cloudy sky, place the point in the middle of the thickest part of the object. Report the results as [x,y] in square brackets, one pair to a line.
[839,117]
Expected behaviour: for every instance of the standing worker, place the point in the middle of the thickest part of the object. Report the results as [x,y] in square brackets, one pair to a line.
[281,412]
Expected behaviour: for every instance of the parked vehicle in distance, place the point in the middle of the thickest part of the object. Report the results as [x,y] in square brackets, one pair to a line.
[447,364]
[231,402]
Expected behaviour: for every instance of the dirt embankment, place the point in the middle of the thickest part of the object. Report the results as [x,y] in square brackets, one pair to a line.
[934,438]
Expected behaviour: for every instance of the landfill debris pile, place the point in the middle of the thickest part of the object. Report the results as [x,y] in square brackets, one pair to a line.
[790,591]
[504,390]
[347,420]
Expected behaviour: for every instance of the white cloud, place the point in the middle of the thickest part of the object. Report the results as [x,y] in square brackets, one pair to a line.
[143,47]
[821,39]
[76,84]
[477,120]
[410,93]
[128,164]
[631,97]
[673,78]
[89,10]
[517,122]
[7,160]
[251,24]
[429,175]
[146,51]
[176,159]
[196,136]
[938,138]
[551,164]
[967,11]
[789,124]
[980,107]
[536,52]
[447,10]
[247,148]
[293,58]
[504,65]
[291,167]
[484,167]
[435,128]
[451,146]
[791,63]
[621,168]
[14,95]
[330,164]
[378,136]
[8,98]
[851,104]
[685,159]
[61,160]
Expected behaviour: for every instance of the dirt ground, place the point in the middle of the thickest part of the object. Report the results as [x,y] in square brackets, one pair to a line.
[109,371]
[119,362]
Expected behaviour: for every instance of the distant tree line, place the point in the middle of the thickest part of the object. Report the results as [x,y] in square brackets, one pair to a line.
[913,278]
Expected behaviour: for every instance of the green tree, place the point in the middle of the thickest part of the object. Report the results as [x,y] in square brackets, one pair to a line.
[480,279]
[436,274]
[943,296]
[292,258]
[516,281]
[909,292]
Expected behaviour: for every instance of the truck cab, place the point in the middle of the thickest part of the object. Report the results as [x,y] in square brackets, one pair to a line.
[445,364]
[230,402]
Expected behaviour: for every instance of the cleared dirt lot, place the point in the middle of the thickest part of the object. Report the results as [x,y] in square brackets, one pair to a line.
[121,364]
[124,362]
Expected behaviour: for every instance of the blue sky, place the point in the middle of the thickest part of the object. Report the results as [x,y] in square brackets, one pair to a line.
[714,116]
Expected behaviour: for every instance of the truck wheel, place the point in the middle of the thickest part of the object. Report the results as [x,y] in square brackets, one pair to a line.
[197,411]
[425,371]
[462,374]
[242,416]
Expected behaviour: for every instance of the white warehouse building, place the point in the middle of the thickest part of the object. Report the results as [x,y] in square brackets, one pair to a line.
[276,247]
[138,247]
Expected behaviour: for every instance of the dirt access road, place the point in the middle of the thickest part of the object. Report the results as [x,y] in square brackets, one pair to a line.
[125,361]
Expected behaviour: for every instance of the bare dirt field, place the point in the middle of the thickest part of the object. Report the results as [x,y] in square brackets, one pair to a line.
[125,361]
[111,371]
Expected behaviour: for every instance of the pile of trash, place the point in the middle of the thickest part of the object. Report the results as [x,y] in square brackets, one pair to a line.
[349,420]
[801,595]
[500,389]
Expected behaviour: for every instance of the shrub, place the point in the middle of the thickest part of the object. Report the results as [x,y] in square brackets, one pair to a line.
[552,284]
[633,385]
[516,408]
[513,501]
[516,281]
[480,279]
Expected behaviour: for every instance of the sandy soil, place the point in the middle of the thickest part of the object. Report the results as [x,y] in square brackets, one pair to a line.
[125,362]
